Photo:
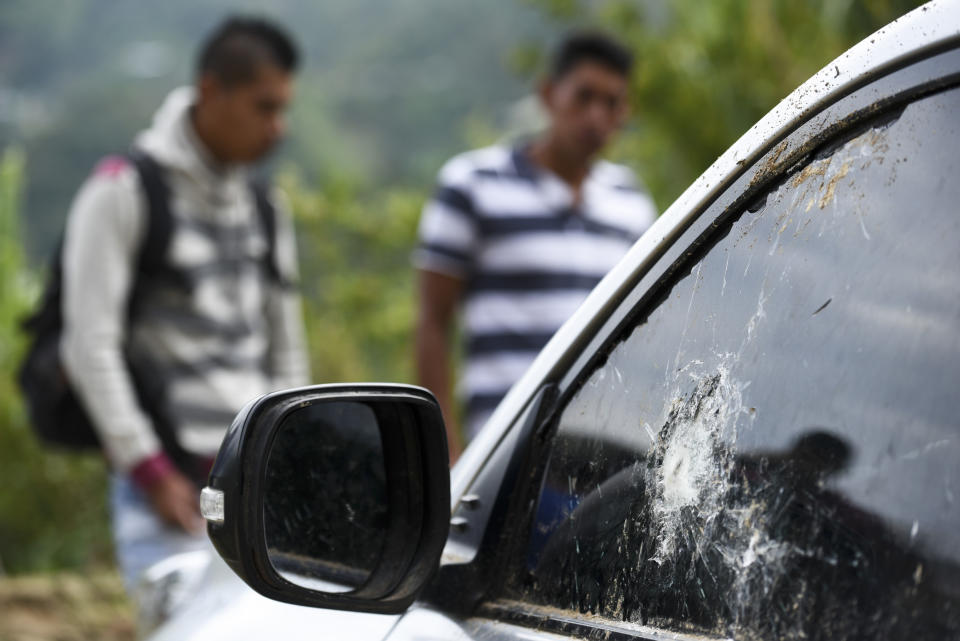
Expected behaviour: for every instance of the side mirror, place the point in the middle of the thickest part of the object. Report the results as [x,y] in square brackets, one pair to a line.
[333,496]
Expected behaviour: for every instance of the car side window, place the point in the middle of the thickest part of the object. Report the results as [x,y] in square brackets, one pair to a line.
[771,450]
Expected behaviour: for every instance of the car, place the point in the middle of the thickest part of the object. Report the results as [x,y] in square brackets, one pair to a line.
[750,429]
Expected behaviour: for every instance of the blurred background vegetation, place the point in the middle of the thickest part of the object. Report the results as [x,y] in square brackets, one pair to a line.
[389,90]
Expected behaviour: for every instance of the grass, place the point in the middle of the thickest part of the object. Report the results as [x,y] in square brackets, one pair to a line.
[65,607]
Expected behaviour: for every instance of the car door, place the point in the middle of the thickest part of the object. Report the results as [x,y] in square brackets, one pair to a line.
[761,440]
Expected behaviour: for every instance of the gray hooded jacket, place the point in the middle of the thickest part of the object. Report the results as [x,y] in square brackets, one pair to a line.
[230,336]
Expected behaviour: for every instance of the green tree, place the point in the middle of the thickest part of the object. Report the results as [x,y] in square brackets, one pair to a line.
[52,508]
[357,279]
[358,298]
[708,70]
[381,95]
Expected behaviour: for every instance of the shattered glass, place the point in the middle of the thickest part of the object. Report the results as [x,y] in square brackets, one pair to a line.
[773,450]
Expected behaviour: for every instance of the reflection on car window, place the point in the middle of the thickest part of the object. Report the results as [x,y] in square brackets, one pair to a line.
[325,501]
[772,451]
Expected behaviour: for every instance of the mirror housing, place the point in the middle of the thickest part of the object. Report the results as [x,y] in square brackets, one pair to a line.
[417,495]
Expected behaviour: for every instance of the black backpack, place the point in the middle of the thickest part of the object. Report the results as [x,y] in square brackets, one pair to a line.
[57,415]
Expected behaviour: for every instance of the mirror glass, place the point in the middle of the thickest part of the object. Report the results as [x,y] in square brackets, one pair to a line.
[325,500]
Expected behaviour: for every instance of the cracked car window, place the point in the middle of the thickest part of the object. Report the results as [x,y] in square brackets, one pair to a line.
[773,449]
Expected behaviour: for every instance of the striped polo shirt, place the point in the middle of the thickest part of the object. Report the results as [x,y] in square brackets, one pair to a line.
[528,255]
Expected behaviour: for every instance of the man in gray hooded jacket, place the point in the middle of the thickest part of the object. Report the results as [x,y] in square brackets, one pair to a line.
[227,332]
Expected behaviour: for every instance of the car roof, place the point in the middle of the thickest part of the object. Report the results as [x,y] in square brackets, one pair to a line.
[925,29]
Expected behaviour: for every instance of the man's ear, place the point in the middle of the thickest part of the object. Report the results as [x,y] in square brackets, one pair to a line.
[545,89]
[208,89]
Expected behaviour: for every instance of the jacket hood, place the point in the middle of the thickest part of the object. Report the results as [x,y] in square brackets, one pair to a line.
[172,141]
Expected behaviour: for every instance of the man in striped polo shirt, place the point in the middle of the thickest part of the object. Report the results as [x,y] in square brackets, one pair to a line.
[515,238]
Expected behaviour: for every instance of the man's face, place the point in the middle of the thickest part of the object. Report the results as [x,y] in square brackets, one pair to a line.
[587,106]
[250,117]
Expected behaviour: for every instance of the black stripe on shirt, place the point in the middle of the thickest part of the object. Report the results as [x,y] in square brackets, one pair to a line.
[491,343]
[456,199]
[493,226]
[193,323]
[519,155]
[189,413]
[202,367]
[242,266]
[485,402]
[447,252]
[218,232]
[526,281]
[504,174]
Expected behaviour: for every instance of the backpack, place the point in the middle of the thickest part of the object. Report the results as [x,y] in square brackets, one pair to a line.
[56,414]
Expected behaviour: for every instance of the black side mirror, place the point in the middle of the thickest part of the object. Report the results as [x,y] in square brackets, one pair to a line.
[334,496]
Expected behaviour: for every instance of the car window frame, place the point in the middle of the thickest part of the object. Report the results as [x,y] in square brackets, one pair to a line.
[864,106]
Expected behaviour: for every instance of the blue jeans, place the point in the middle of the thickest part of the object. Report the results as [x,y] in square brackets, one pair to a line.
[141,538]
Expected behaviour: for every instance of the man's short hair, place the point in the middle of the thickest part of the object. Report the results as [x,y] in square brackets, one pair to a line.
[234,50]
[590,46]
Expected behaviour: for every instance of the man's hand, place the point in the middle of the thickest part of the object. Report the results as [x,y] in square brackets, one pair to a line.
[177,501]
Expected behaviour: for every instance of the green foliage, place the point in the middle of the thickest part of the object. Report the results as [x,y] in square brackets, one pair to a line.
[380,97]
[383,109]
[358,299]
[356,278]
[52,506]
[708,70]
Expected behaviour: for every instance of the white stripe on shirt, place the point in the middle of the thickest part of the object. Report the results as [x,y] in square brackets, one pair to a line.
[495,373]
[446,227]
[499,197]
[571,251]
[529,312]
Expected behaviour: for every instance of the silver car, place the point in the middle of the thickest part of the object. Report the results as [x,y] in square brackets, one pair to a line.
[750,430]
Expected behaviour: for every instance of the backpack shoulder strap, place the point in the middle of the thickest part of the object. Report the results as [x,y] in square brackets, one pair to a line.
[152,257]
[151,254]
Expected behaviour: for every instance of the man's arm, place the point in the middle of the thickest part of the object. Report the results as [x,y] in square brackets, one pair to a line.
[439,297]
[103,236]
[448,242]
